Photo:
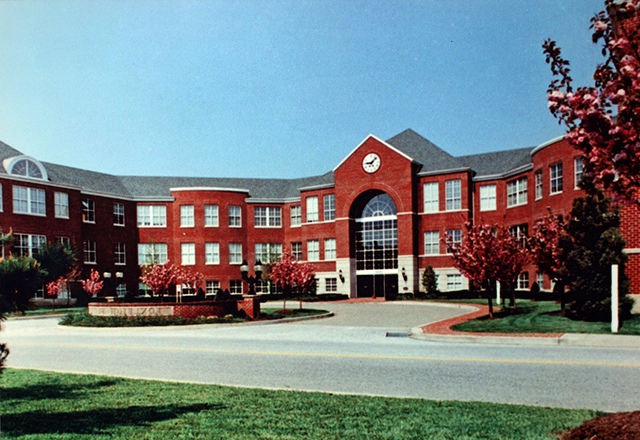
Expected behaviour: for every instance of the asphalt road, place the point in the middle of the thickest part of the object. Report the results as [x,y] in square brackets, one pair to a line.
[349,353]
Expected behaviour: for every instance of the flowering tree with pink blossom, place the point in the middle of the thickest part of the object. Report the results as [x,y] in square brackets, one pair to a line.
[289,272]
[93,285]
[160,278]
[603,121]
[490,254]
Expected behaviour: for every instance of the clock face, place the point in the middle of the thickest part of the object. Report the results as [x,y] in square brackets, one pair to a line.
[371,163]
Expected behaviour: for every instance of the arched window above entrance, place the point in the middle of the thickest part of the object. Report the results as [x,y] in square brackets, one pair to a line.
[379,206]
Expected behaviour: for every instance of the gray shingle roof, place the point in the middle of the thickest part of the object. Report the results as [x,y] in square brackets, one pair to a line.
[421,150]
[424,152]
[497,162]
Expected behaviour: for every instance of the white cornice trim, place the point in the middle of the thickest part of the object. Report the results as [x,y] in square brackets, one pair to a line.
[439,172]
[546,144]
[316,187]
[206,188]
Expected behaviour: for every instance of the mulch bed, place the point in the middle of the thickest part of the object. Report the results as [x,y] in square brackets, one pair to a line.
[619,426]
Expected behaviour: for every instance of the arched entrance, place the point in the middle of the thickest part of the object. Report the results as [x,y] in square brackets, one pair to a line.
[376,244]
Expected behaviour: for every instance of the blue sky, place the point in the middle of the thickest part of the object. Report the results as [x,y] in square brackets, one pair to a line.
[277,89]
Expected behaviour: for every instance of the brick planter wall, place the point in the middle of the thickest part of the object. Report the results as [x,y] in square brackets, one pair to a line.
[185,310]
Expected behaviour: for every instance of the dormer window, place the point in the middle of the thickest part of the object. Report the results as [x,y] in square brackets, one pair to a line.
[25,167]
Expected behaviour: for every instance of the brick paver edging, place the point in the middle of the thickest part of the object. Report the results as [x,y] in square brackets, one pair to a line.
[444,327]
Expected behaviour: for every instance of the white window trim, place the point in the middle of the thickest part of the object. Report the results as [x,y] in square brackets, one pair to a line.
[30,198]
[188,258]
[518,182]
[494,198]
[551,179]
[190,216]
[217,217]
[235,216]
[432,201]
[216,260]
[315,210]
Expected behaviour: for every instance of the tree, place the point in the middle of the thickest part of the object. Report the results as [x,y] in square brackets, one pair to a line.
[93,285]
[289,272]
[60,264]
[20,279]
[545,253]
[591,244]
[603,121]
[490,254]
[163,277]
[430,282]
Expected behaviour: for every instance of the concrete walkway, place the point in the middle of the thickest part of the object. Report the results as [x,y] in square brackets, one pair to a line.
[441,332]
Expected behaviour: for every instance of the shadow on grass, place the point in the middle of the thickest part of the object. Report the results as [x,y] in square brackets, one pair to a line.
[51,391]
[95,420]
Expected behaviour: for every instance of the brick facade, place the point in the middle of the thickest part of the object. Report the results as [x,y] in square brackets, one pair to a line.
[433,195]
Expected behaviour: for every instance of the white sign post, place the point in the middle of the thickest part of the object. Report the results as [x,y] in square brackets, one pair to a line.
[615,325]
[498,298]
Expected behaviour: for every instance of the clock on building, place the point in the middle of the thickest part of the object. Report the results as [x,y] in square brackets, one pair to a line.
[371,163]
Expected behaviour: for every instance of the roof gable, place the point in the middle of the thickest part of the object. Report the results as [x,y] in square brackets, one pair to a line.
[424,152]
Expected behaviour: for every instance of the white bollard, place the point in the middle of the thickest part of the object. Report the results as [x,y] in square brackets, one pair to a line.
[615,325]
[498,298]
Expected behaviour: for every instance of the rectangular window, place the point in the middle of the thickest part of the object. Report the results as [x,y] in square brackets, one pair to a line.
[329,207]
[152,253]
[188,290]
[64,241]
[187,217]
[211,287]
[556,178]
[578,167]
[118,214]
[296,215]
[539,186]
[119,253]
[313,250]
[88,211]
[296,250]
[453,194]
[61,203]
[432,243]
[330,249]
[267,216]
[540,279]
[520,231]
[454,237]
[517,192]
[27,245]
[235,287]
[152,216]
[488,198]
[431,197]
[331,285]
[89,251]
[29,201]
[268,253]
[312,209]
[188,254]
[523,281]
[235,216]
[454,281]
[235,253]
[211,216]
[212,253]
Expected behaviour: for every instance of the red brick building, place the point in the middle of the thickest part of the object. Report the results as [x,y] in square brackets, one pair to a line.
[370,226]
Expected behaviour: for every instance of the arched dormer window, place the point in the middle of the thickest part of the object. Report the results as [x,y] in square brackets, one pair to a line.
[26,167]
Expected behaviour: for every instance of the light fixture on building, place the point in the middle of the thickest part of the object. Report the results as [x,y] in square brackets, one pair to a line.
[119,275]
[107,274]
[341,275]
[244,271]
[404,274]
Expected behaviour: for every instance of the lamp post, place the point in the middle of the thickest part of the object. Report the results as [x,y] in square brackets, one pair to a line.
[244,270]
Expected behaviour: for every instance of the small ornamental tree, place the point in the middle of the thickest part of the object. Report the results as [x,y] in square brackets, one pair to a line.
[603,121]
[163,277]
[430,282]
[545,253]
[289,272]
[92,285]
[490,254]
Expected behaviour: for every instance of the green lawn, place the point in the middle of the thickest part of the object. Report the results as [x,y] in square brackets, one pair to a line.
[83,319]
[44,405]
[542,317]
[49,311]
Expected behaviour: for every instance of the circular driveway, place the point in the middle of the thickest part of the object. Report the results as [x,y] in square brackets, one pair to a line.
[383,314]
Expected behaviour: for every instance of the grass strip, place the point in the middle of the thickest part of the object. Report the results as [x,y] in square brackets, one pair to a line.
[46,405]
[542,317]
[84,319]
